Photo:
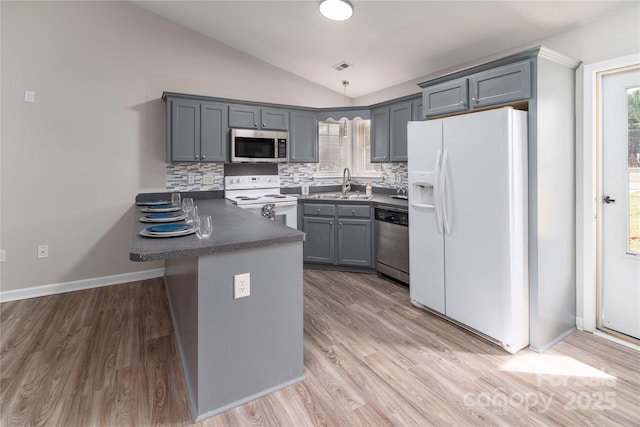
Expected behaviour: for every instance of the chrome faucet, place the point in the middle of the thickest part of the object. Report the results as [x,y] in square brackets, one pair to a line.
[346,181]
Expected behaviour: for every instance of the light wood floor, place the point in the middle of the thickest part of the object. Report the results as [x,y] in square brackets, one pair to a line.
[108,356]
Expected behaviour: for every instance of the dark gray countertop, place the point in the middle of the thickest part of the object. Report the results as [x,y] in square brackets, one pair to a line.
[233,229]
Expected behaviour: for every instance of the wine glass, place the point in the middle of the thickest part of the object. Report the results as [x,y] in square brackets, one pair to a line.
[192,216]
[187,204]
[204,227]
[175,199]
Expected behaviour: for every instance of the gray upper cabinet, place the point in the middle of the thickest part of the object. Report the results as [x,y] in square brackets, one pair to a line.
[399,116]
[501,85]
[380,135]
[274,119]
[213,135]
[445,98]
[303,137]
[197,131]
[418,112]
[184,130]
[243,116]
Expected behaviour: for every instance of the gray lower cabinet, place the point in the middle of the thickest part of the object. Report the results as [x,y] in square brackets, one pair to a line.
[197,131]
[246,116]
[338,234]
[319,243]
[303,137]
[354,242]
[501,85]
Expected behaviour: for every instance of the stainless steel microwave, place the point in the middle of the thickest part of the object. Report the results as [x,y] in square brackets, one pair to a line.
[259,146]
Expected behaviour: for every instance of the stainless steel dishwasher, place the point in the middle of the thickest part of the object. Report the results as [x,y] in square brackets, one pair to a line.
[392,243]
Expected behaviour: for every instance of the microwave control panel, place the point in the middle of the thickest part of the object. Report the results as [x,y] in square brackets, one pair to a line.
[282,148]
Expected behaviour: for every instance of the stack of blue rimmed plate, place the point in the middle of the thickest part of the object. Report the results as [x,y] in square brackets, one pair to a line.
[152,202]
[168,230]
[163,217]
[167,207]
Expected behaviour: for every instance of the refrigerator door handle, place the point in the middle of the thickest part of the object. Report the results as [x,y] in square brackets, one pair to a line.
[436,191]
[443,191]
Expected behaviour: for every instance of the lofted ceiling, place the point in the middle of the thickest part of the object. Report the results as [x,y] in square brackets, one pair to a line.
[386,42]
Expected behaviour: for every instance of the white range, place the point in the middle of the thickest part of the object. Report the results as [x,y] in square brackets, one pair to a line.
[254,192]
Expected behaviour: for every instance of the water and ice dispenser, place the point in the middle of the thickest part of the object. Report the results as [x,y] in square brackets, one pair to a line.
[421,189]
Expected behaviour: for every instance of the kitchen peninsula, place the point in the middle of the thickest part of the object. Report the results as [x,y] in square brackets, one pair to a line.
[232,350]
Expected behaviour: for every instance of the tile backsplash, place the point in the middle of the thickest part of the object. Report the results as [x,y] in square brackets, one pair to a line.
[307,171]
[177,176]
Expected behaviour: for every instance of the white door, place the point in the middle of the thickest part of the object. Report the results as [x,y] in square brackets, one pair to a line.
[619,241]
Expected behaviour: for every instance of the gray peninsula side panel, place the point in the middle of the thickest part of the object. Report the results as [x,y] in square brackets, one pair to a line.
[249,347]
[181,281]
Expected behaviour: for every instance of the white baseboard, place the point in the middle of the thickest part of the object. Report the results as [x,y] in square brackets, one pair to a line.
[78,285]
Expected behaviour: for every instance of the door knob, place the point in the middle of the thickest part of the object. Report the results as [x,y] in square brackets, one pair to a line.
[608,200]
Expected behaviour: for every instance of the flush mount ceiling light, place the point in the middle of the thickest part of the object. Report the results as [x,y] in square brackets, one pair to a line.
[336,10]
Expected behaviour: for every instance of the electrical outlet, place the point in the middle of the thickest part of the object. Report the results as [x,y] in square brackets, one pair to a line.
[207,179]
[296,177]
[398,178]
[43,251]
[241,285]
[29,96]
[191,179]
[3,255]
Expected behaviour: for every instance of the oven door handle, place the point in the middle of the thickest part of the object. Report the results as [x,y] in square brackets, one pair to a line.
[283,204]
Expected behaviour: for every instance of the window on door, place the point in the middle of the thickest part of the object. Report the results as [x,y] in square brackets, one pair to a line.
[633,168]
[345,144]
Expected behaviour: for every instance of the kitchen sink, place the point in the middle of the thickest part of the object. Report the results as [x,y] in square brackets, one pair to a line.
[328,196]
[337,196]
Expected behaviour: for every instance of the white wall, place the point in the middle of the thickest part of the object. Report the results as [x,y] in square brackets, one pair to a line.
[73,161]
[614,35]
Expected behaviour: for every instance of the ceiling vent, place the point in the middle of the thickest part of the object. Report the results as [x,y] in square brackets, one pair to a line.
[341,66]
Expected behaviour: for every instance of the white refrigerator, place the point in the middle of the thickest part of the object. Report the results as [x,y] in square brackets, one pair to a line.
[468,231]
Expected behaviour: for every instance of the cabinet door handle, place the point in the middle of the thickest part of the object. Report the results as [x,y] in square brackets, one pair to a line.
[197,157]
[474,100]
[353,212]
[318,210]
[203,157]
[331,223]
[255,125]
[264,125]
[339,225]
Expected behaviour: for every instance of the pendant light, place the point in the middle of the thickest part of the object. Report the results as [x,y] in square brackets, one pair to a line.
[336,10]
[345,83]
